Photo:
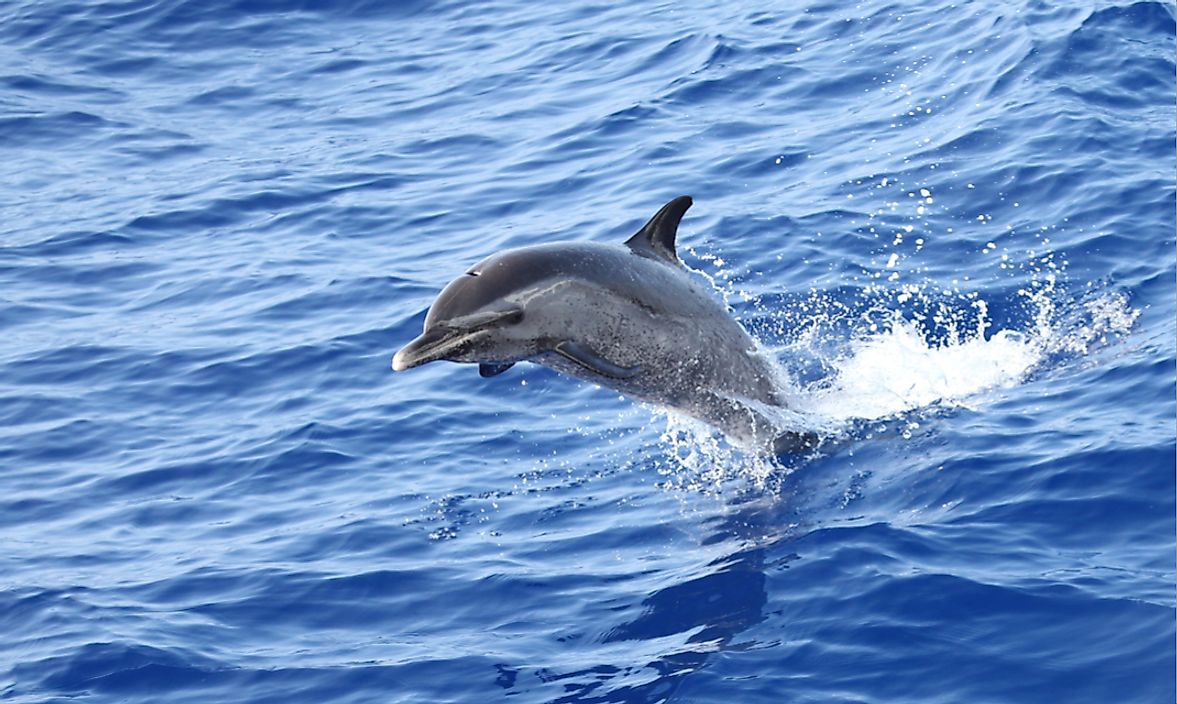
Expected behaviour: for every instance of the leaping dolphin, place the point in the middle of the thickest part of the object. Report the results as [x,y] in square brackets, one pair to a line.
[628,318]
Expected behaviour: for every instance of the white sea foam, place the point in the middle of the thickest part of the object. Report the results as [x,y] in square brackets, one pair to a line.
[897,371]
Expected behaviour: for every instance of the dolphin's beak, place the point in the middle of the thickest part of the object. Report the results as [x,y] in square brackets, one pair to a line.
[430,346]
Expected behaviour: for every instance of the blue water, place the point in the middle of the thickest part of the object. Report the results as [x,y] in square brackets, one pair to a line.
[951,223]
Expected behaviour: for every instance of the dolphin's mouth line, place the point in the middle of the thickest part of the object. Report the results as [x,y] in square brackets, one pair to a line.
[438,342]
[424,349]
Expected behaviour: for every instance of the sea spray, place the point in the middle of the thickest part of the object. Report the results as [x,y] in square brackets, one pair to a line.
[880,356]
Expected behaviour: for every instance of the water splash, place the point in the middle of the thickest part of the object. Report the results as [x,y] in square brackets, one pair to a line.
[899,345]
[896,361]
[898,371]
[698,460]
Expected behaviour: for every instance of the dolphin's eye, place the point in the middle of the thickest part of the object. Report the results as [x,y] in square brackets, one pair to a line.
[473,273]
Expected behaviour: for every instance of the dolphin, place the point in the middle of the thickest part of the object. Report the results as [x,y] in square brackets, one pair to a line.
[627,317]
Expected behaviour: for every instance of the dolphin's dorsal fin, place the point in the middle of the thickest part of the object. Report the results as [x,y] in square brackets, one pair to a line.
[656,238]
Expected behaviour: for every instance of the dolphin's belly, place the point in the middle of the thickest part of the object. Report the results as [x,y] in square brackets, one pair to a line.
[703,364]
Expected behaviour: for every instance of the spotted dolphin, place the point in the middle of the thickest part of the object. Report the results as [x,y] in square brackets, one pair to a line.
[629,318]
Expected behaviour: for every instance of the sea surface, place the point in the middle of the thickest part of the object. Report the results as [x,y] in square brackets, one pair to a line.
[951,223]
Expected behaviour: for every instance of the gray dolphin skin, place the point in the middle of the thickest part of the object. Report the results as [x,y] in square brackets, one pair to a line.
[627,317]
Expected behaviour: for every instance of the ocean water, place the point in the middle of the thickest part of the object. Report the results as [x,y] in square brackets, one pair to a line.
[952,224]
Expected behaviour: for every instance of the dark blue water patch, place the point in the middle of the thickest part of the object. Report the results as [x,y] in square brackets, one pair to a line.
[131,66]
[34,409]
[67,243]
[52,128]
[1143,19]
[157,480]
[453,144]
[142,673]
[378,598]
[681,51]
[372,537]
[74,440]
[920,604]
[182,220]
[48,87]
[226,212]
[708,89]
[252,373]
[147,151]
[977,142]
[126,668]
[228,95]
[74,363]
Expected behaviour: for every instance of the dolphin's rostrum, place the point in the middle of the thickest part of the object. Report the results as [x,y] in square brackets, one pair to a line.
[629,318]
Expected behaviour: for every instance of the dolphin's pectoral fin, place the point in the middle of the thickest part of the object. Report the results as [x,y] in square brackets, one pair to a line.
[656,238]
[594,362]
[489,369]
